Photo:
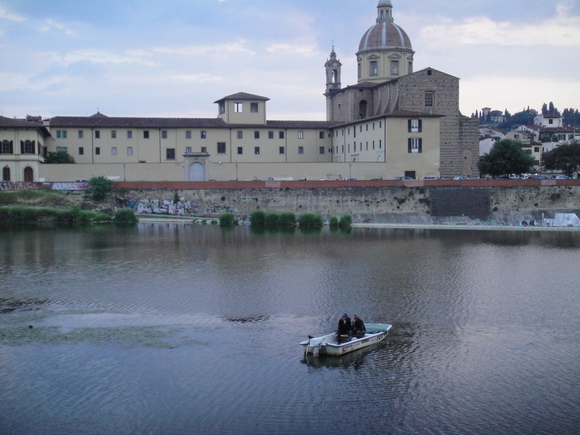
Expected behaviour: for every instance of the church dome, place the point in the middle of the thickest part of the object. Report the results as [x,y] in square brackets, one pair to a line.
[385,34]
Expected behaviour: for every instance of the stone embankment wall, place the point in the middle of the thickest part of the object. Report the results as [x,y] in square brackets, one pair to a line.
[419,202]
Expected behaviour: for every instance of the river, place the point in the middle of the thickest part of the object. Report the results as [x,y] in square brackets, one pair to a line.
[178,329]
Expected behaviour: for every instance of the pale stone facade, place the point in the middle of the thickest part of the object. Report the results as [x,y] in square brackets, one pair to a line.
[394,122]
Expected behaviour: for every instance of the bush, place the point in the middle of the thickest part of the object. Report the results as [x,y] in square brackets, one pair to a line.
[309,220]
[287,219]
[257,219]
[100,186]
[271,220]
[333,222]
[345,221]
[125,216]
[227,220]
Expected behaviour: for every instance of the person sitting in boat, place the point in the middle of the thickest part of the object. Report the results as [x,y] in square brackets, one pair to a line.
[358,328]
[344,327]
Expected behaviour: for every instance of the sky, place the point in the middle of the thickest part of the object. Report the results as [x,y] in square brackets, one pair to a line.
[175,58]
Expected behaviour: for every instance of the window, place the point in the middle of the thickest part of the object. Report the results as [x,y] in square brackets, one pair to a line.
[321,150]
[281,134]
[321,135]
[270,135]
[129,151]
[238,107]
[204,149]
[129,134]
[187,150]
[6,173]
[170,153]
[188,134]
[27,147]
[240,134]
[374,68]
[61,134]
[81,134]
[164,134]
[256,150]
[61,149]
[300,150]
[240,150]
[300,135]
[113,151]
[395,67]
[281,150]
[221,147]
[146,134]
[81,151]
[97,134]
[415,125]
[429,99]
[550,121]
[254,107]
[256,135]
[98,151]
[203,134]
[113,134]
[415,145]
[536,149]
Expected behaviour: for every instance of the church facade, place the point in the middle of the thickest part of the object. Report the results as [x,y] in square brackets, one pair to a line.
[393,122]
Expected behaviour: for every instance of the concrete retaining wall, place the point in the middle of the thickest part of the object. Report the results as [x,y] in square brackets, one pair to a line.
[373,201]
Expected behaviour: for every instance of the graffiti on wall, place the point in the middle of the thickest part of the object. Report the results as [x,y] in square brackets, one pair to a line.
[70,186]
[156,206]
[9,185]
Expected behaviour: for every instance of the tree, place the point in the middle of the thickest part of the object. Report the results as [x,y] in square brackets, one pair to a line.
[505,157]
[525,117]
[58,157]
[565,158]
[100,186]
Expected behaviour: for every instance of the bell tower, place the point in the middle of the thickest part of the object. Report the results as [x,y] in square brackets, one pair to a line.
[333,71]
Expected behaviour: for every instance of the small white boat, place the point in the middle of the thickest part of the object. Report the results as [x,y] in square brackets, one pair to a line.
[328,344]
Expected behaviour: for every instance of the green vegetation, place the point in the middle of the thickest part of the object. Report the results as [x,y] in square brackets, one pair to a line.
[565,158]
[39,198]
[333,222]
[345,221]
[58,157]
[309,220]
[23,215]
[126,216]
[227,220]
[100,186]
[505,157]
[258,218]
[286,219]
[271,220]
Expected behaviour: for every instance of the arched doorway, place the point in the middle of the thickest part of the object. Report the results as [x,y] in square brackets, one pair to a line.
[28,174]
[196,172]
[362,109]
[6,173]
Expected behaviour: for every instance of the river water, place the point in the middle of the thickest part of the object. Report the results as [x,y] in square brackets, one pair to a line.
[179,329]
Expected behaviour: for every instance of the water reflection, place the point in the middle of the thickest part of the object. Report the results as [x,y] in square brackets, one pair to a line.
[181,328]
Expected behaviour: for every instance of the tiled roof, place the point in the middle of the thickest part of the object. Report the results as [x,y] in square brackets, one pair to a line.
[101,121]
[243,96]
[22,123]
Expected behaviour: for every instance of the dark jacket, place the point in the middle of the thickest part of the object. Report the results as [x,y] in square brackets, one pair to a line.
[344,327]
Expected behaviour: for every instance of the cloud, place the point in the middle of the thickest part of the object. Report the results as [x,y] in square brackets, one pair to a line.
[290,49]
[563,31]
[19,82]
[99,56]
[51,24]
[197,78]
[9,16]
[219,50]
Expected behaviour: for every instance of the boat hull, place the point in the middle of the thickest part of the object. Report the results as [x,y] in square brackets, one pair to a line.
[328,345]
